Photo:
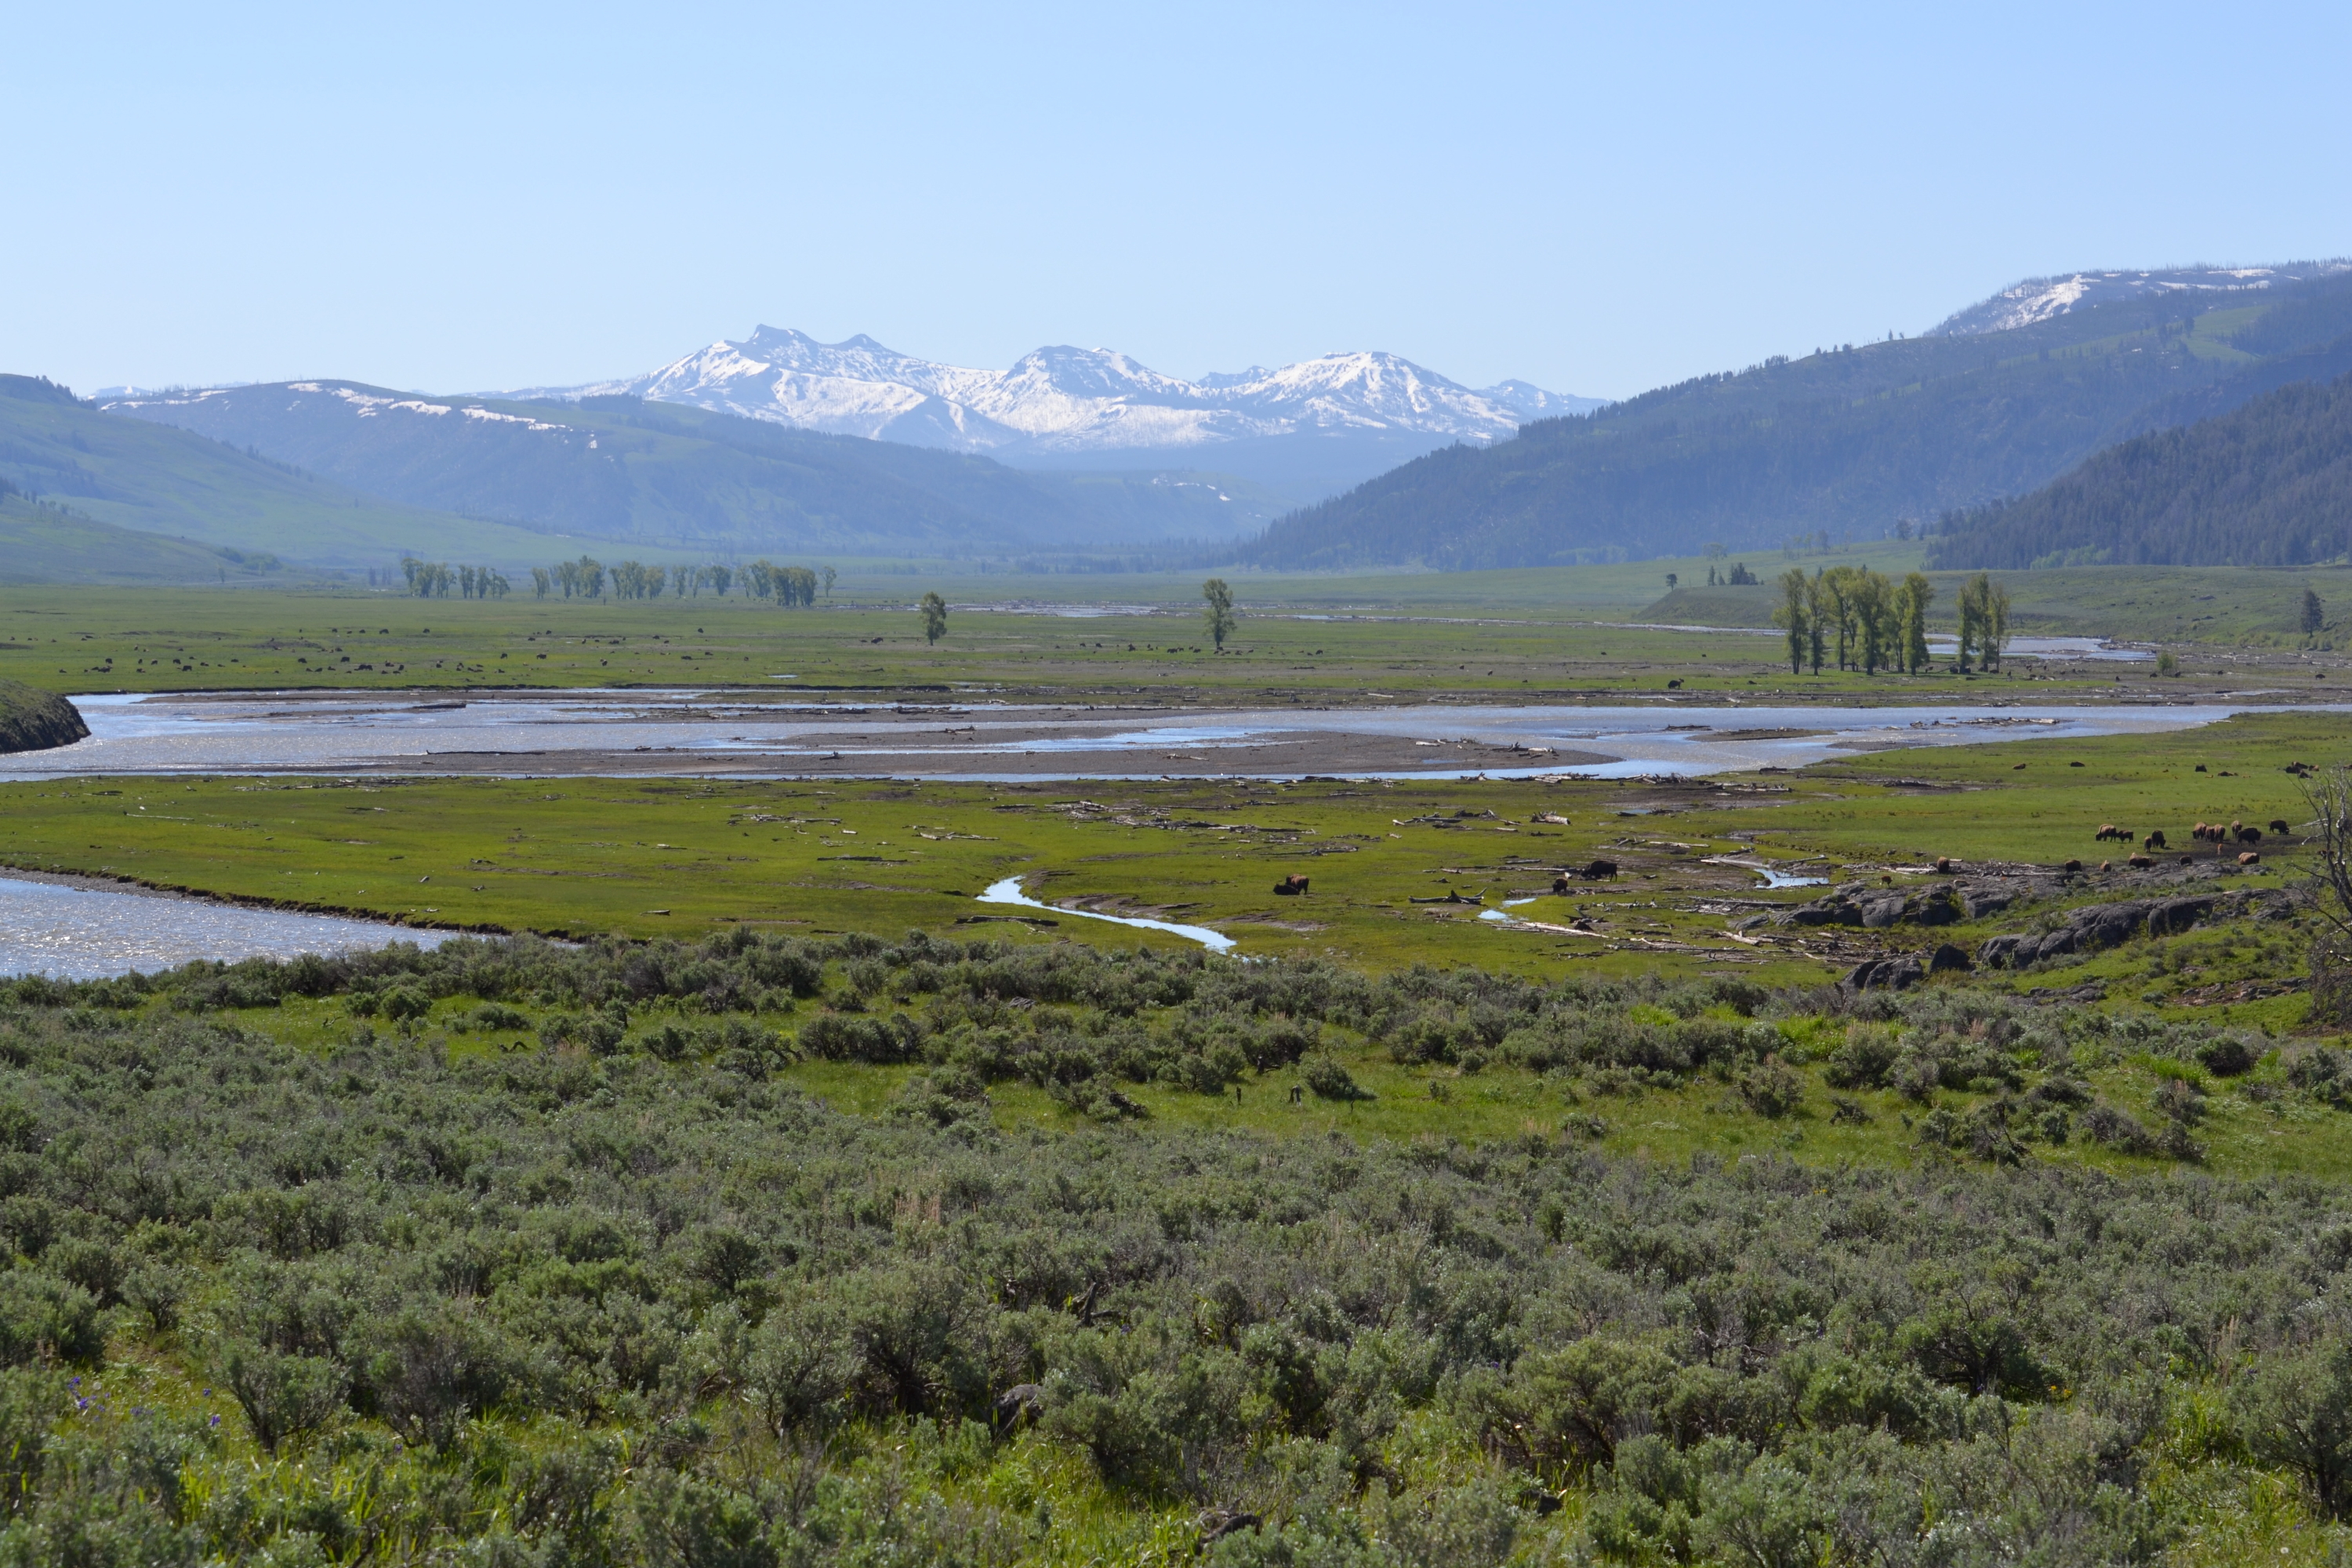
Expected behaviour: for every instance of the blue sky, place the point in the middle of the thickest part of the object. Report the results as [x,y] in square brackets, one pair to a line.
[1598,199]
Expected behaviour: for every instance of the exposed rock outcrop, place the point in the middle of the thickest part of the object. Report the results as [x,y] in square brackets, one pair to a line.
[2097,927]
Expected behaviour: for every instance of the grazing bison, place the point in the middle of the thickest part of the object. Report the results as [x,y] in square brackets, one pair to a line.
[2278,825]
[1290,887]
[2154,840]
[2074,865]
[1600,870]
[1943,865]
[2250,836]
[2108,830]
[2140,862]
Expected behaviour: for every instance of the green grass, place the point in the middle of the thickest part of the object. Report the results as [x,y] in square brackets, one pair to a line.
[869,642]
[676,856]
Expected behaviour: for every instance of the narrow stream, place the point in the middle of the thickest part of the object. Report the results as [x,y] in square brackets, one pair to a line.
[1009,892]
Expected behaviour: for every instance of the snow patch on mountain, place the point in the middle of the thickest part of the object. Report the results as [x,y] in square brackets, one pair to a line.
[364,405]
[1060,399]
[2038,300]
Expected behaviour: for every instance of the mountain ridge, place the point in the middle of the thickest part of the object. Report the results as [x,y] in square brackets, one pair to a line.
[623,470]
[1852,439]
[1061,400]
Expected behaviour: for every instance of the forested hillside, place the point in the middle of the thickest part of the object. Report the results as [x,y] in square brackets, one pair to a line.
[657,473]
[1848,441]
[2269,484]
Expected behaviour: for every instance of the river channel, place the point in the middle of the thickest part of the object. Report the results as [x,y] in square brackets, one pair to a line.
[730,734]
[73,932]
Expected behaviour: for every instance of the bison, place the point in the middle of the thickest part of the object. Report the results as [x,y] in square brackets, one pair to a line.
[2140,862]
[1600,870]
[2278,825]
[2250,836]
[1290,887]
[2107,830]
[2154,840]
[2250,857]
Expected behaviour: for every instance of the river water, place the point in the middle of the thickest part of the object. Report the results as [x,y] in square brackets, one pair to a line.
[728,735]
[85,934]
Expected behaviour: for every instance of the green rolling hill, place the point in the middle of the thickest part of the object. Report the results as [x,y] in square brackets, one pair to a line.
[197,492]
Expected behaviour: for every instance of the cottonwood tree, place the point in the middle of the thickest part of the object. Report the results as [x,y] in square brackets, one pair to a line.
[1795,616]
[935,618]
[1219,612]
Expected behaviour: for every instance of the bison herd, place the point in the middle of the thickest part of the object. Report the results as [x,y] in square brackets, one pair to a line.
[2213,833]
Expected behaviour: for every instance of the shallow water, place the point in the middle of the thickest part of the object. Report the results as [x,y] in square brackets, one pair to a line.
[1773,877]
[1009,892]
[85,934]
[686,732]
[1942,646]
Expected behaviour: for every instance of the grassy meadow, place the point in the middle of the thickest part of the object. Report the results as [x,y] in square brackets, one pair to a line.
[800,1209]
[1601,633]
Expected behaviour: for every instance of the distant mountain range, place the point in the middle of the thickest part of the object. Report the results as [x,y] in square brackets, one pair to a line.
[2000,400]
[1304,429]
[656,474]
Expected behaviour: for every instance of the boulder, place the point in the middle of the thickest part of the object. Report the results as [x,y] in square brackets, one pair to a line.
[2170,917]
[1885,974]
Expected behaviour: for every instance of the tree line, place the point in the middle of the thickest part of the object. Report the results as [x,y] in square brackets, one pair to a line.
[434,579]
[589,578]
[1864,621]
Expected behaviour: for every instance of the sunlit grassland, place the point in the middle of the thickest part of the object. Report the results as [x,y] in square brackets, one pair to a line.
[101,640]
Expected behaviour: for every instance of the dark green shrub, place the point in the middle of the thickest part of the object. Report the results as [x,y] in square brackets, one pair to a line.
[1771,1089]
[402,1002]
[1329,1080]
[283,1396]
[44,1318]
[2227,1056]
[1863,1059]
[836,1038]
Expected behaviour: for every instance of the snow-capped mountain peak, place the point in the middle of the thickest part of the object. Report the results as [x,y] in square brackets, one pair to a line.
[1062,399]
